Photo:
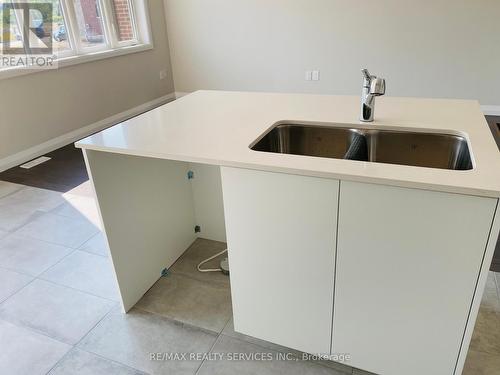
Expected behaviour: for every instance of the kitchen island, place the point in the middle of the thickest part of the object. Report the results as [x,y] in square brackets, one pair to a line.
[384,262]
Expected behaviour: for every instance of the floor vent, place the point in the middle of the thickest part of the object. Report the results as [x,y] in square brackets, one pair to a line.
[35,162]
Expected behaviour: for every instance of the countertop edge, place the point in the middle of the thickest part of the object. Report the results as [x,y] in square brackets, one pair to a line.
[301,172]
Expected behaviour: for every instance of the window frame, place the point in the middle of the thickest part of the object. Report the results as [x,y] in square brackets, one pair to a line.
[77,54]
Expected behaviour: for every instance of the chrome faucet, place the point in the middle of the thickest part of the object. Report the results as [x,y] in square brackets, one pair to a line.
[372,87]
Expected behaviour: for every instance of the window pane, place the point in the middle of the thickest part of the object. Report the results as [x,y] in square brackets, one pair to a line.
[53,25]
[47,22]
[90,23]
[123,18]
[59,34]
[11,34]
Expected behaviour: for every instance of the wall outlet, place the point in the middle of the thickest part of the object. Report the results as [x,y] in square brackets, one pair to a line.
[163,74]
[312,75]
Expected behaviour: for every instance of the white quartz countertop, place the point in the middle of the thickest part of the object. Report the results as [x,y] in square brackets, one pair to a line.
[217,127]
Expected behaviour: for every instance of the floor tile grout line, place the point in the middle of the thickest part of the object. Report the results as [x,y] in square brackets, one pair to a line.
[60,284]
[40,274]
[32,216]
[59,261]
[41,213]
[112,307]
[15,191]
[175,321]
[27,187]
[171,320]
[293,352]
[34,330]
[13,294]
[49,242]
[111,360]
[101,232]
[77,290]
[187,325]
[17,271]
[60,359]
[211,348]
[221,333]
[15,232]
[78,347]
[89,252]
[83,217]
[77,344]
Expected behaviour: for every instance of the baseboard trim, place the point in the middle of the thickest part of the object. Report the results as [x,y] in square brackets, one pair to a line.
[491,110]
[73,136]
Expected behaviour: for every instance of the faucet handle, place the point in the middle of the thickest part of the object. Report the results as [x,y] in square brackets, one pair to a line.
[377,87]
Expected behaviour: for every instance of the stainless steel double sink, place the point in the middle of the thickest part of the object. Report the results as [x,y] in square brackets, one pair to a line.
[433,150]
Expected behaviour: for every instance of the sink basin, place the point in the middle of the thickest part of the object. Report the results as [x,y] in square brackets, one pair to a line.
[420,149]
[322,141]
[444,151]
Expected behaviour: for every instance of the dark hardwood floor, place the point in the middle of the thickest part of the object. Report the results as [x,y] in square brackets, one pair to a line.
[63,172]
[494,123]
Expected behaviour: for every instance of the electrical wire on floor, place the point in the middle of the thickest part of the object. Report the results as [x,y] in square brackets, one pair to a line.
[224,266]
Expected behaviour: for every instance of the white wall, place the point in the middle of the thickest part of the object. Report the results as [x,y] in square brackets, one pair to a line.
[430,48]
[39,107]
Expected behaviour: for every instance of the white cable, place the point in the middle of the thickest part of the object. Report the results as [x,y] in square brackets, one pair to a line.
[208,260]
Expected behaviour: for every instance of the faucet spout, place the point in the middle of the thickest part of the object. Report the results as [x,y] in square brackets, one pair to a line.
[366,74]
[372,87]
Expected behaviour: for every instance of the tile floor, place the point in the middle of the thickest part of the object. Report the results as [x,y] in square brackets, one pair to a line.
[59,312]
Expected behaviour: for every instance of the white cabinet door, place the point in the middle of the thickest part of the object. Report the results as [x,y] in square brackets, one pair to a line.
[281,239]
[407,266]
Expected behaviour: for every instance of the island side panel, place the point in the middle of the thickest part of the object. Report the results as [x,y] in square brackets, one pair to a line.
[408,263]
[146,207]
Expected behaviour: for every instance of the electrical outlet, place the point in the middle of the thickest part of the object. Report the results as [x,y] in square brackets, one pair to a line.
[312,75]
[163,74]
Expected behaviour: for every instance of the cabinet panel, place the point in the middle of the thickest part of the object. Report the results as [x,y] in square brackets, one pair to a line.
[407,266]
[281,238]
[207,200]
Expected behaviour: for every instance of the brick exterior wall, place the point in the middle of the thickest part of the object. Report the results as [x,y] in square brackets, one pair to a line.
[122,12]
[91,18]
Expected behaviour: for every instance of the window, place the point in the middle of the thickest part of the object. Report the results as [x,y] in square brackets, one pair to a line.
[11,32]
[76,30]
[90,24]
